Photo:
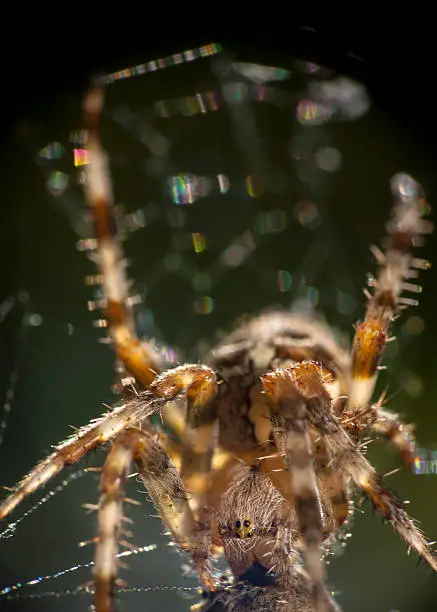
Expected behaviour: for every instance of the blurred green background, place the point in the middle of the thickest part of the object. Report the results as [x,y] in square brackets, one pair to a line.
[320,149]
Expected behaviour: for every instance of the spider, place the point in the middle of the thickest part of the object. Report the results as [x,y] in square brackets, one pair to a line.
[268,432]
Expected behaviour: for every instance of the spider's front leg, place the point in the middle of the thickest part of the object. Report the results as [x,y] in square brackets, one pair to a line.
[137,356]
[164,484]
[396,266]
[289,395]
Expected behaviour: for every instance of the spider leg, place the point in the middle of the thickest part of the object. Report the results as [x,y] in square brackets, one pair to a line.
[384,500]
[396,265]
[289,401]
[347,458]
[70,451]
[163,482]
[110,516]
[198,443]
[382,422]
[165,388]
[137,356]
[398,433]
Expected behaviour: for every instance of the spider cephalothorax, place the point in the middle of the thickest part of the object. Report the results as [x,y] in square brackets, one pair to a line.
[266,435]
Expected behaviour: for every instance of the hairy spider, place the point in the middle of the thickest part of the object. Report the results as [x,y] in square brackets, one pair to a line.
[268,431]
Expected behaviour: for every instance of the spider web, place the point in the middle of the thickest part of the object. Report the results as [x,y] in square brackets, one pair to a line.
[239,186]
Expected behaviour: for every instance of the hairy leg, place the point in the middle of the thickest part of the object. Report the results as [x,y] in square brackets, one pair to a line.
[389,425]
[163,482]
[289,397]
[167,387]
[346,458]
[138,357]
[396,266]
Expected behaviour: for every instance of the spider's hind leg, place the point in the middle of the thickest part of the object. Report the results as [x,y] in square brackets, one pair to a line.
[396,266]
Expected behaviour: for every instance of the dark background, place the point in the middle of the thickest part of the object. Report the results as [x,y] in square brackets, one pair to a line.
[64,373]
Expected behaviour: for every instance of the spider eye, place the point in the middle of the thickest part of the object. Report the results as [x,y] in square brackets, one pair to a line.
[244,529]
